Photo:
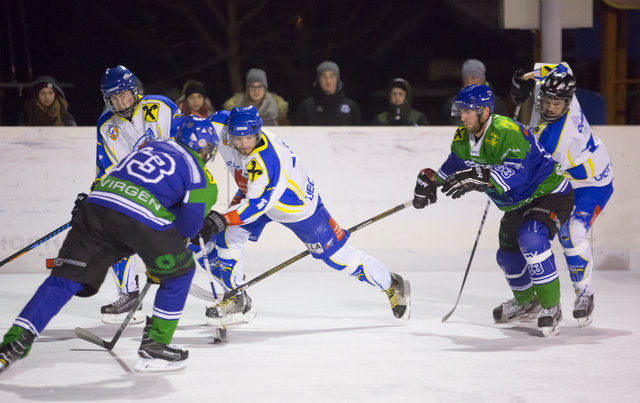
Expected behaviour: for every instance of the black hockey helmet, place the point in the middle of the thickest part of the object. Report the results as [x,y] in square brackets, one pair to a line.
[556,85]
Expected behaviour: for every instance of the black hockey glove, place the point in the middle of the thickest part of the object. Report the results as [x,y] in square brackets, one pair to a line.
[426,190]
[521,88]
[214,223]
[80,198]
[462,182]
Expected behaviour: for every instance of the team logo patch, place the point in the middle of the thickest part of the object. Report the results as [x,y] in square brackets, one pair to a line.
[254,170]
[150,112]
[314,247]
[113,132]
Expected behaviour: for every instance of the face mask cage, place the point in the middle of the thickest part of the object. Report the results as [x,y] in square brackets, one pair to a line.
[544,112]
[125,113]
[458,107]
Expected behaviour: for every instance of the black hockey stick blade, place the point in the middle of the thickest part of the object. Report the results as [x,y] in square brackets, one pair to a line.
[35,243]
[84,334]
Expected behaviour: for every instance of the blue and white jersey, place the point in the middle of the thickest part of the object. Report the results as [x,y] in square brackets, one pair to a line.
[271,180]
[155,117]
[163,185]
[571,142]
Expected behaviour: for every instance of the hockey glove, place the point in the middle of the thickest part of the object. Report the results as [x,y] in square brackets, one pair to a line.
[521,88]
[426,190]
[214,223]
[80,198]
[462,182]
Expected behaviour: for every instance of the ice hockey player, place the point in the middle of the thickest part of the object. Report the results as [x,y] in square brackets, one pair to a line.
[564,132]
[273,185]
[148,204]
[493,154]
[130,121]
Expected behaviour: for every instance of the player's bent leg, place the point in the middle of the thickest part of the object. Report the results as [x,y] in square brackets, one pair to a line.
[533,238]
[124,272]
[524,305]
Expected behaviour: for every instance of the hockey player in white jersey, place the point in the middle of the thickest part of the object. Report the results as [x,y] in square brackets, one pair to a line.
[560,126]
[130,122]
[273,185]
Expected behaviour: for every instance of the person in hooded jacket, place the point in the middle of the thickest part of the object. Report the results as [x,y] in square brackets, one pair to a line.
[46,105]
[400,111]
[328,104]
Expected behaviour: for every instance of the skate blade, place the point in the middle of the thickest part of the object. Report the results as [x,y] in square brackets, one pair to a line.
[232,320]
[407,312]
[550,330]
[117,319]
[158,365]
[220,335]
[584,322]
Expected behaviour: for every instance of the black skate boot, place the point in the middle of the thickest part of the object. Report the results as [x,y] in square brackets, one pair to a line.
[115,312]
[549,320]
[156,356]
[16,345]
[399,296]
[511,311]
[231,311]
[583,309]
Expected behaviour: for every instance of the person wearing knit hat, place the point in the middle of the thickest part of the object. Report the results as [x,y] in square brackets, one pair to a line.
[272,107]
[328,104]
[194,100]
[473,71]
[46,105]
[400,111]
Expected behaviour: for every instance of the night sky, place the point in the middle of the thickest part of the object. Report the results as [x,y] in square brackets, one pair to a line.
[372,42]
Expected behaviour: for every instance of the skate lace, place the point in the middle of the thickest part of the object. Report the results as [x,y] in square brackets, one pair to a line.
[229,305]
[511,306]
[553,311]
[582,302]
[392,293]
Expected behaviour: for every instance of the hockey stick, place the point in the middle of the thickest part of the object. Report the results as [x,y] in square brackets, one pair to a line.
[475,244]
[92,338]
[221,332]
[299,256]
[36,243]
[473,251]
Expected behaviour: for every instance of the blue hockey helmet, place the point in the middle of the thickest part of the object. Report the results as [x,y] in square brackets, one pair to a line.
[473,97]
[116,80]
[244,121]
[558,85]
[199,135]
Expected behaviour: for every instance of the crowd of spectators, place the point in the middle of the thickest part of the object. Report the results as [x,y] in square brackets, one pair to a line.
[327,105]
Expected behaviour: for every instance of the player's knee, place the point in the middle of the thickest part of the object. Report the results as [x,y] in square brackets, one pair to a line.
[342,258]
[573,233]
[511,262]
[533,238]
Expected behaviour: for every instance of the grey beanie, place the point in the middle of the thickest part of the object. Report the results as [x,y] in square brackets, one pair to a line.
[474,68]
[328,66]
[257,76]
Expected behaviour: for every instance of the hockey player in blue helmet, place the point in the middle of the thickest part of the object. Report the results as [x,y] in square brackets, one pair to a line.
[130,122]
[273,185]
[140,207]
[497,156]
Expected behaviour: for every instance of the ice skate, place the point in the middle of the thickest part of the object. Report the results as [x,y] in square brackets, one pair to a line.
[549,320]
[114,313]
[511,311]
[400,297]
[15,350]
[232,311]
[157,357]
[582,310]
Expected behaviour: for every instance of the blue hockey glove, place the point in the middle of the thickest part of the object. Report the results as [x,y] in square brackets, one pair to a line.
[462,182]
[426,190]
[520,88]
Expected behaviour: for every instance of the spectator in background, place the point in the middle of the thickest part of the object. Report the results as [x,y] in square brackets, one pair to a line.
[194,100]
[400,112]
[46,105]
[473,72]
[328,105]
[272,107]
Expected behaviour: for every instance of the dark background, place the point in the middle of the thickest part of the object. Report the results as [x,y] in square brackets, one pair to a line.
[167,42]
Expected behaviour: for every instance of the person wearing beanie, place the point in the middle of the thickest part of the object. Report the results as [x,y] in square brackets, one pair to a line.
[194,100]
[473,72]
[272,107]
[400,111]
[328,104]
[46,105]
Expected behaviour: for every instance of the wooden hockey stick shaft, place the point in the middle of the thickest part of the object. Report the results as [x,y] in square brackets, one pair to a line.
[299,256]
[92,338]
[36,243]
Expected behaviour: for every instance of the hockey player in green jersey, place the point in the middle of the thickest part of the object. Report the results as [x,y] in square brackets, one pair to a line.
[498,156]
